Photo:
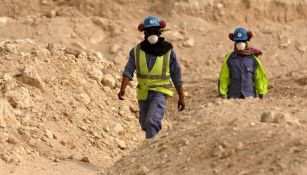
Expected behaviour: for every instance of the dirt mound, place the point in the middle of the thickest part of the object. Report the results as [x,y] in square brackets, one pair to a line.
[248,11]
[227,137]
[58,102]
[197,33]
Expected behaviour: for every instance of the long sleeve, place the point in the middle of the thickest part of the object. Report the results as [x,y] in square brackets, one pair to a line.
[130,66]
[175,69]
[261,81]
[224,79]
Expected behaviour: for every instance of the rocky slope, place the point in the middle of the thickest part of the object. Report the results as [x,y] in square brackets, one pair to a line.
[230,137]
[61,62]
[56,103]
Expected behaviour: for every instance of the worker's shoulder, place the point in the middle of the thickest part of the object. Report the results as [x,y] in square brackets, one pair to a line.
[228,55]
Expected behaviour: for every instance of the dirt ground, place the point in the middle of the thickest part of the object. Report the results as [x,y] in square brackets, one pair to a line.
[60,71]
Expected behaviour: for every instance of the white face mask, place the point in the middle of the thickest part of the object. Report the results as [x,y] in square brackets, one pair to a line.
[153,39]
[240,45]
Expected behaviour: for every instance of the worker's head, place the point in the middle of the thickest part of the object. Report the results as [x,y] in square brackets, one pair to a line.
[152,27]
[240,36]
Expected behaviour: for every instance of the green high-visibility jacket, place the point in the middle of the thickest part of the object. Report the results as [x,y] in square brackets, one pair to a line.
[260,78]
[158,79]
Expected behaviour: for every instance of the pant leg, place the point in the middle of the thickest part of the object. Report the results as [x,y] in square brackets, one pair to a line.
[143,106]
[146,125]
[150,132]
[151,113]
[155,114]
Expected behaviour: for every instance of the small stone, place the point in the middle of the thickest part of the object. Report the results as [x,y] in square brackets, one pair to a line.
[115,31]
[121,144]
[134,109]
[83,98]
[10,48]
[50,47]
[220,6]
[266,30]
[116,128]
[122,113]
[44,2]
[95,73]
[7,116]
[106,89]
[71,157]
[284,42]
[252,124]
[176,36]
[63,142]
[267,117]
[286,118]
[186,94]
[235,129]
[186,142]
[77,45]
[85,159]
[209,105]
[19,98]
[83,128]
[96,39]
[12,141]
[56,160]
[26,119]
[51,14]
[31,77]
[109,81]
[301,48]
[28,20]
[143,171]
[72,51]
[239,146]
[101,22]
[48,134]
[98,55]
[218,151]
[5,158]
[4,20]
[82,55]
[189,43]
[45,139]
[114,49]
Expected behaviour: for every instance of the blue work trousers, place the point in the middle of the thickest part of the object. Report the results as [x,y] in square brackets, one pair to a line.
[151,113]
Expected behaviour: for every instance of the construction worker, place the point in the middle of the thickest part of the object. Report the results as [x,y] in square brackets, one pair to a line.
[156,65]
[242,74]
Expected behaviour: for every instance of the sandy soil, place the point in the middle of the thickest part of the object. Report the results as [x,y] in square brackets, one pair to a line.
[60,70]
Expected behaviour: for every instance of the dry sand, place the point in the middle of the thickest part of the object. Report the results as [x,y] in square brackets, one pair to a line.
[60,71]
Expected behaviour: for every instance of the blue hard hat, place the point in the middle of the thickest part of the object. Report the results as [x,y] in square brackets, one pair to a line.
[240,34]
[152,21]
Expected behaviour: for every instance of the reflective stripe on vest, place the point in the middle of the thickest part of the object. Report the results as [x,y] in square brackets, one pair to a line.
[157,79]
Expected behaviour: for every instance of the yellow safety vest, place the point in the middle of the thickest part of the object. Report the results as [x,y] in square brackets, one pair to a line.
[261,81]
[158,79]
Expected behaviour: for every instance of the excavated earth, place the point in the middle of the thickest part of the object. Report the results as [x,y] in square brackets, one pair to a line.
[60,71]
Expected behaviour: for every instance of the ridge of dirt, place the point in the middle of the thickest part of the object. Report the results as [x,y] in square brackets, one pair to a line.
[57,103]
[60,70]
[212,11]
[228,137]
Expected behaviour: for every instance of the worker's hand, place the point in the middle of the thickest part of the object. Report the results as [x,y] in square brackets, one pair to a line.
[261,96]
[121,94]
[181,104]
